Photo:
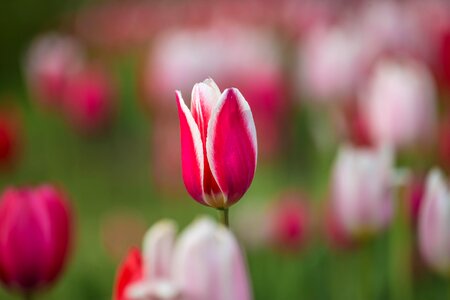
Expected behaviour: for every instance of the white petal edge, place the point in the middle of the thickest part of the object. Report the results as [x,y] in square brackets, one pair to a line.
[157,249]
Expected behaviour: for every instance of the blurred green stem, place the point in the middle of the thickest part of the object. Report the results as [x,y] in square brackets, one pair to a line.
[223,215]
[400,250]
[366,271]
[28,296]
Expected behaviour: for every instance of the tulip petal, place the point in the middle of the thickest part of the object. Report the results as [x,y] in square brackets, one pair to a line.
[192,157]
[231,145]
[208,264]
[129,272]
[204,98]
[433,222]
[157,250]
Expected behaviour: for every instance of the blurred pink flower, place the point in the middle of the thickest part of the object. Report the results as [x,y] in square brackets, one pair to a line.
[89,100]
[289,220]
[51,60]
[218,144]
[35,237]
[414,196]
[325,51]
[10,137]
[205,263]
[399,103]
[361,196]
[434,220]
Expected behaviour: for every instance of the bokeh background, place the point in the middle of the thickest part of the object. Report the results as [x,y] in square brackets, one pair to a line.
[309,69]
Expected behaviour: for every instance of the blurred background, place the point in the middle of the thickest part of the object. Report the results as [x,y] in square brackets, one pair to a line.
[87,102]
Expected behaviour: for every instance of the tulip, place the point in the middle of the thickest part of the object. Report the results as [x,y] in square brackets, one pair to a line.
[399,103]
[10,138]
[52,59]
[218,145]
[204,263]
[35,237]
[88,100]
[324,51]
[434,217]
[361,190]
[289,223]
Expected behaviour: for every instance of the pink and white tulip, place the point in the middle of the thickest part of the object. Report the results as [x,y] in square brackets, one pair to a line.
[361,190]
[35,237]
[218,144]
[52,59]
[204,263]
[399,103]
[434,220]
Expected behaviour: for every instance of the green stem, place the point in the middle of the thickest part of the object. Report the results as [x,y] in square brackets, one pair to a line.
[223,216]
[400,251]
[28,296]
[365,262]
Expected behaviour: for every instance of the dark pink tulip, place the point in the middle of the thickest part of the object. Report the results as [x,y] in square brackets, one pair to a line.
[289,219]
[88,100]
[10,138]
[35,237]
[218,144]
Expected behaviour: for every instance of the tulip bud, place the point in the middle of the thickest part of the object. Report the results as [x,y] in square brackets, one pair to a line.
[218,145]
[10,138]
[208,264]
[289,222]
[399,103]
[88,100]
[361,190]
[35,237]
[434,220]
[205,263]
[52,59]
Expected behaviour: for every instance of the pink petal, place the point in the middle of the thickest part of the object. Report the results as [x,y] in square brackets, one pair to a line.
[231,145]
[192,157]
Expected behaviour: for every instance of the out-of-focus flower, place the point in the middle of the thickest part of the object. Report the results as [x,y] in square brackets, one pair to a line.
[414,196]
[10,137]
[324,51]
[444,142]
[218,144]
[399,103]
[35,237]
[434,220]
[52,59]
[289,222]
[205,263]
[390,27]
[361,190]
[357,131]
[245,57]
[89,100]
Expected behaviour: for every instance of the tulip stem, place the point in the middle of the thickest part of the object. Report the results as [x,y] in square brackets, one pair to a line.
[28,296]
[223,215]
